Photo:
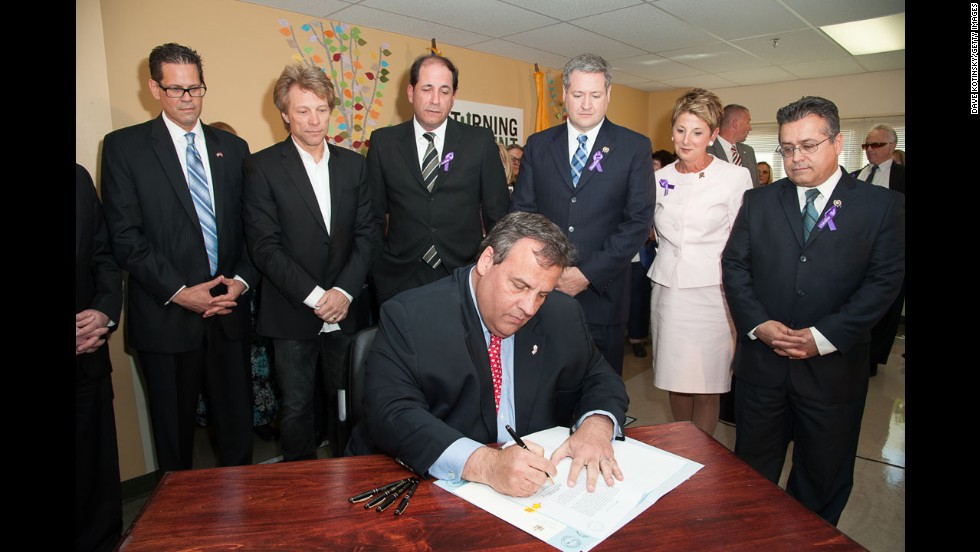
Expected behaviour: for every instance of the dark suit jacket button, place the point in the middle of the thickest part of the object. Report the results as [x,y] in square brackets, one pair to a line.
[800,292]
[802,258]
[574,199]
[571,228]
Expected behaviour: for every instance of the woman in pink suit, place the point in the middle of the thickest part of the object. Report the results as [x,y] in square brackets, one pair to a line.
[698,197]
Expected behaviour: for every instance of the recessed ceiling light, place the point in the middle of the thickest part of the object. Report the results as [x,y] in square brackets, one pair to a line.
[870,36]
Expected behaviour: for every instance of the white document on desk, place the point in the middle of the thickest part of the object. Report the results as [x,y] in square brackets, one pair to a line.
[571,518]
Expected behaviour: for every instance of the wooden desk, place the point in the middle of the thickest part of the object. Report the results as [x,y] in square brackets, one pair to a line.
[303,506]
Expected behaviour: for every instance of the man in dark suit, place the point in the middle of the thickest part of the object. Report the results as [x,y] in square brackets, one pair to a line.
[456,361]
[882,170]
[812,263]
[736,123]
[98,302]
[172,194]
[309,231]
[594,180]
[439,183]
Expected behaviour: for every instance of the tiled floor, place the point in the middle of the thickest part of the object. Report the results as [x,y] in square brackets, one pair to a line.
[875,513]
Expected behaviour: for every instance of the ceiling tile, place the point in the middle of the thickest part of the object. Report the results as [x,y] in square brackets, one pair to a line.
[370,17]
[824,68]
[758,75]
[701,81]
[645,27]
[714,58]
[654,67]
[885,61]
[567,10]
[568,40]
[730,20]
[510,50]
[829,12]
[794,46]
[489,17]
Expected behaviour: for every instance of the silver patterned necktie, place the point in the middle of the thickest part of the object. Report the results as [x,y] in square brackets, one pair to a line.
[197,182]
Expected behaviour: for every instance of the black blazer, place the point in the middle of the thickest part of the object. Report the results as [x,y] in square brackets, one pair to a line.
[896,177]
[607,216]
[466,200]
[156,235]
[840,281]
[427,380]
[289,242]
[98,281]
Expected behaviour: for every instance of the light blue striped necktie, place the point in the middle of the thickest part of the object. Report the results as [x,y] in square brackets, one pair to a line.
[578,161]
[197,181]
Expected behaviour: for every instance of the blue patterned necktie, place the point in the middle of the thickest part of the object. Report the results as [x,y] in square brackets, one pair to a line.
[197,181]
[578,160]
[810,213]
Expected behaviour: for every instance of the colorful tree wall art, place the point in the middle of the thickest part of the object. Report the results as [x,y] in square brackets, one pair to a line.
[359,73]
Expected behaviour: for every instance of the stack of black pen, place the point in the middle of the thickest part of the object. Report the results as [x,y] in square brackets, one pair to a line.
[385,495]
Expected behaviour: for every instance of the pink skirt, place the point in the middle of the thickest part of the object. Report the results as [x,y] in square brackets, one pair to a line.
[693,339]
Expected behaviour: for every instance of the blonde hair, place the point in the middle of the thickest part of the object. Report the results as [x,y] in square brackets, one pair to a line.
[702,104]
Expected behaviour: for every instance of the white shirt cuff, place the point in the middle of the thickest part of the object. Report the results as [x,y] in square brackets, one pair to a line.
[617,431]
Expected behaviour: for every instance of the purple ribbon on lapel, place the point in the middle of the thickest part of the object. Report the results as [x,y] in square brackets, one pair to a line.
[595,162]
[445,161]
[666,186]
[828,219]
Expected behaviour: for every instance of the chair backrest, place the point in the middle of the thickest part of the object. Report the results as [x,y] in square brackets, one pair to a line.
[358,358]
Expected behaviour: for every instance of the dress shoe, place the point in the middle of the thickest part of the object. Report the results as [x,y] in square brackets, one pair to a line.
[639,350]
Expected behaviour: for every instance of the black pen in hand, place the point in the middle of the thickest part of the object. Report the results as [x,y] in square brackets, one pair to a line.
[520,443]
[404,503]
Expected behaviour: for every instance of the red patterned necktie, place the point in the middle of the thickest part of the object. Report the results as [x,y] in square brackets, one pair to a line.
[736,158]
[496,371]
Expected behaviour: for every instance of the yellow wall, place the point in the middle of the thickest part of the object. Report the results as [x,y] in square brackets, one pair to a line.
[244,52]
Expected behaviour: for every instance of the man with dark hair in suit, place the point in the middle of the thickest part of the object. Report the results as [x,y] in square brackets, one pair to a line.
[812,263]
[882,170]
[729,145]
[456,361]
[172,193]
[309,230]
[98,302]
[593,179]
[437,185]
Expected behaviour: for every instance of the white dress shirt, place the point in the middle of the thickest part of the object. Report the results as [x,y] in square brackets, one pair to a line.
[319,175]
[726,147]
[573,134]
[179,138]
[421,143]
[882,175]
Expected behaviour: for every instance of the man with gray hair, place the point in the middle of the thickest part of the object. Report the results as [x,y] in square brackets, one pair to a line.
[309,229]
[729,145]
[594,179]
[882,170]
[458,360]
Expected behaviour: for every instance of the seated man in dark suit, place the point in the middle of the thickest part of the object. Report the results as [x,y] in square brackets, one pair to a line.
[432,398]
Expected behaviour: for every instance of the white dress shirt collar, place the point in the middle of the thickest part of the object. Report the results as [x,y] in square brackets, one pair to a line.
[573,138]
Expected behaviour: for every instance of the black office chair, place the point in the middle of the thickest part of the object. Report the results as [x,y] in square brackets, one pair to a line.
[350,408]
